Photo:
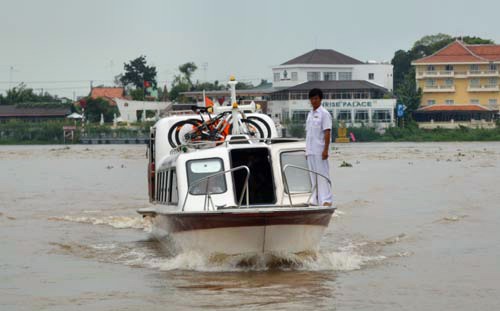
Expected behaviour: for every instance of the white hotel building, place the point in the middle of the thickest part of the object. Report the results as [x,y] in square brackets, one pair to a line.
[356,93]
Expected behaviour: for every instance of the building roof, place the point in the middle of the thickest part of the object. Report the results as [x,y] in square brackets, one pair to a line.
[464,108]
[109,92]
[323,57]
[13,111]
[337,85]
[459,52]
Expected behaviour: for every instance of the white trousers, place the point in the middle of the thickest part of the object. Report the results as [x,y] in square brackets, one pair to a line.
[323,193]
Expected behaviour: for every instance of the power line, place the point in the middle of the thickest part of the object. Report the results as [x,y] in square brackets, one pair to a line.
[56,88]
[55,81]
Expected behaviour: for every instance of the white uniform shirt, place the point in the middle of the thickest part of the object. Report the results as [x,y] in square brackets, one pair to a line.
[317,122]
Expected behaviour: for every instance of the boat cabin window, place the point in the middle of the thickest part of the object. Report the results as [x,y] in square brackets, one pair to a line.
[299,181]
[161,183]
[198,169]
[261,182]
[173,197]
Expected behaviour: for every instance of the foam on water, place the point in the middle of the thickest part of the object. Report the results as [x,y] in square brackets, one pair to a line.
[118,222]
[321,261]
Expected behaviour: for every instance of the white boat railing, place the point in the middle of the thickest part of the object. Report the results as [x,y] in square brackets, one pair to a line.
[315,188]
[208,198]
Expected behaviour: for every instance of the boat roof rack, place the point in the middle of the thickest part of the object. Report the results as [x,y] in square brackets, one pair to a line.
[239,139]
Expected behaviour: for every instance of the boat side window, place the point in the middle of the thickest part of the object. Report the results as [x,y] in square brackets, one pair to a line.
[162,186]
[173,196]
[198,169]
[299,181]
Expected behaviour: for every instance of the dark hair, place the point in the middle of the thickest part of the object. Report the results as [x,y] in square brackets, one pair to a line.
[315,92]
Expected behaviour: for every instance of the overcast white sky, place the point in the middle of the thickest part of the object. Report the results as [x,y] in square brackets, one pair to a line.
[61,45]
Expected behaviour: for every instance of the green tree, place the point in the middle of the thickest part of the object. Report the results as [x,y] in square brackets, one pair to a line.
[432,39]
[187,70]
[408,93]
[136,72]
[94,107]
[182,82]
[23,94]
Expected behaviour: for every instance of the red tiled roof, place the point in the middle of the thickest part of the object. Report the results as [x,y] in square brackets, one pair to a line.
[453,108]
[488,51]
[458,52]
[110,92]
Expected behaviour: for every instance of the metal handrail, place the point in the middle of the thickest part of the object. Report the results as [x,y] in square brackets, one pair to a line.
[208,198]
[285,181]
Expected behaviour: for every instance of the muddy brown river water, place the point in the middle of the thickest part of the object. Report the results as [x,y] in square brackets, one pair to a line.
[417,228]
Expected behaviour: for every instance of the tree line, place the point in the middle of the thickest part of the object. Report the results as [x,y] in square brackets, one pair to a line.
[140,81]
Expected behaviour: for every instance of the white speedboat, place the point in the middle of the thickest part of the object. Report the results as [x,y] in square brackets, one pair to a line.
[242,195]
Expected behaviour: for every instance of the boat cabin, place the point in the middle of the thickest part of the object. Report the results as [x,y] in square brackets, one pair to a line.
[241,172]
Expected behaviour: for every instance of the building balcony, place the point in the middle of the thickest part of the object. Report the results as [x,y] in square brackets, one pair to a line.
[483,88]
[483,73]
[439,89]
[435,74]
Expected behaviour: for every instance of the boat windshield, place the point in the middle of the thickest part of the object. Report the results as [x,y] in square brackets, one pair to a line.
[198,169]
[298,180]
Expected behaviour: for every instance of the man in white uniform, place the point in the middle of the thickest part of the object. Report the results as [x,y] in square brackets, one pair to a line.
[318,134]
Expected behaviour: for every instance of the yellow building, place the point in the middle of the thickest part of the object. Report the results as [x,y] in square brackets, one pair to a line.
[460,85]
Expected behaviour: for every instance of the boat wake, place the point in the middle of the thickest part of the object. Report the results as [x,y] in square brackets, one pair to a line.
[118,222]
[321,261]
[150,254]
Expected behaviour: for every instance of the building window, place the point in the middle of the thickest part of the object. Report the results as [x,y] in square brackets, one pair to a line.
[474,101]
[431,68]
[448,68]
[448,82]
[493,103]
[345,75]
[276,76]
[474,68]
[295,76]
[431,102]
[300,116]
[475,82]
[449,102]
[430,82]
[382,115]
[493,82]
[344,115]
[329,76]
[361,116]
[313,76]
[371,76]
[493,67]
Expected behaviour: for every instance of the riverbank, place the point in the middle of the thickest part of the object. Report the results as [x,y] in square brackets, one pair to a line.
[411,133]
[43,133]
[51,132]
[414,134]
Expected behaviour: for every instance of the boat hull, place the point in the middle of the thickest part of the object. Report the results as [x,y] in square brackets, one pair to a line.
[244,231]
